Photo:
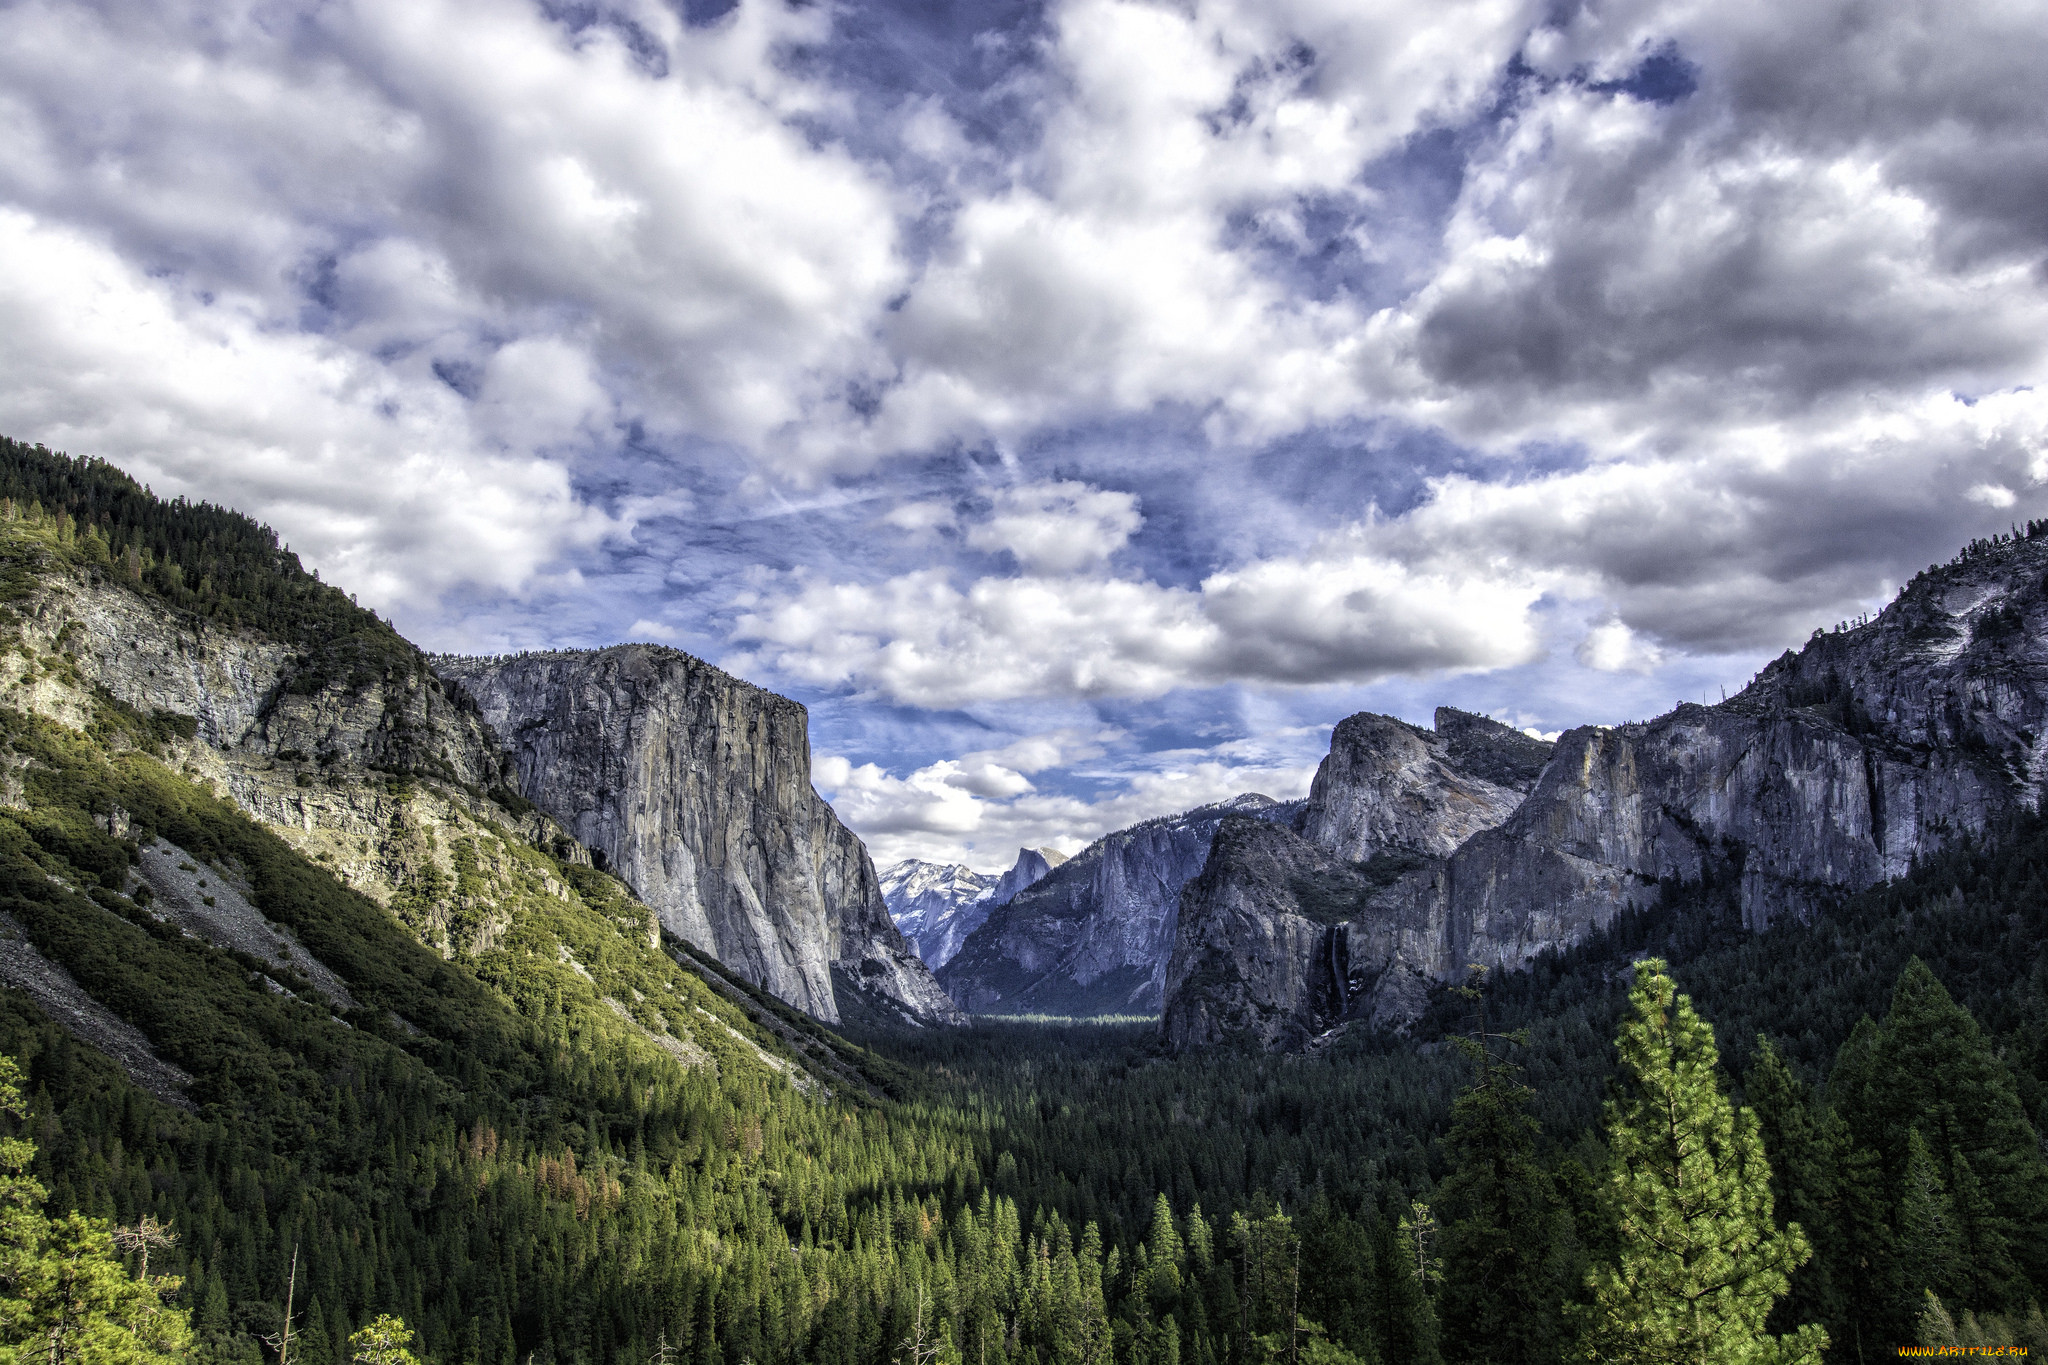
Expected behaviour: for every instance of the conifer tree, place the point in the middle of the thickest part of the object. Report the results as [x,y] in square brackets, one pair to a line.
[1806,1152]
[1506,1233]
[1163,1251]
[1700,1262]
[1946,1187]
[385,1341]
[1404,1323]
[1930,1242]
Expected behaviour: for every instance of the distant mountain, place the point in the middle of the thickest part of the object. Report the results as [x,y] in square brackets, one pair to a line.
[1836,768]
[1093,936]
[1033,866]
[937,905]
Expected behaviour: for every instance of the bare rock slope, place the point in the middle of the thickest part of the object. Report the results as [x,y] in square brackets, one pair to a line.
[695,788]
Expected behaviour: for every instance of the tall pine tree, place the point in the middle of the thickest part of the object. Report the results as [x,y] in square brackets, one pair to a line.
[1929,1069]
[1701,1262]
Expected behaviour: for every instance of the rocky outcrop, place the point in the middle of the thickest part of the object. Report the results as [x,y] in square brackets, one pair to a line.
[695,788]
[1390,785]
[357,771]
[1093,936]
[1252,960]
[1033,866]
[937,905]
[1832,771]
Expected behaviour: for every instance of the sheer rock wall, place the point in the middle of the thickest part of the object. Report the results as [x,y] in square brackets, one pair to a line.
[695,787]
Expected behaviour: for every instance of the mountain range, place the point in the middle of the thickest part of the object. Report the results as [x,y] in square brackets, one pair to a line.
[1418,854]
[1421,854]
[1424,856]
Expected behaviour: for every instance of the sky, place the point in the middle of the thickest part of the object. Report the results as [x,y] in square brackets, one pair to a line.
[1079,406]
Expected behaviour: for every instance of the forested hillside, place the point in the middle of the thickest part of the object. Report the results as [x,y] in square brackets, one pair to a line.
[211,562]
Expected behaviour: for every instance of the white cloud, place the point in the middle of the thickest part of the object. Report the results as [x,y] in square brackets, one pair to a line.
[1751,544]
[1058,528]
[388,273]
[1611,647]
[938,814]
[918,518]
[1101,279]
[526,238]
[379,482]
[1343,611]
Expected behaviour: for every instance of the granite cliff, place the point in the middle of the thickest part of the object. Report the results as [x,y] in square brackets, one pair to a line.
[695,788]
[1389,785]
[1033,866]
[1093,936]
[1831,771]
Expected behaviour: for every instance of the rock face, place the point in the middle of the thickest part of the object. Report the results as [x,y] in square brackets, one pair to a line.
[1389,785]
[695,788]
[1033,866]
[361,773]
[1252,960]
[1093,936]
[1831,771]
[937,905]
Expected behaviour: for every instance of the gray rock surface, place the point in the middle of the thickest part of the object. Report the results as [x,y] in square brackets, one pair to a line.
[316,761]
[213,905]
[1389,785]
[695,788]
[1033,866]
[1094,935]
[1833,770]
[1251,960]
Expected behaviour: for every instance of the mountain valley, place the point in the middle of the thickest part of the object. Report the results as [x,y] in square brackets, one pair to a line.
[540,1001]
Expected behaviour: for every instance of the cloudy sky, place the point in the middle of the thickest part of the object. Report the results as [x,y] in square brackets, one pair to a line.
[1079,405]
